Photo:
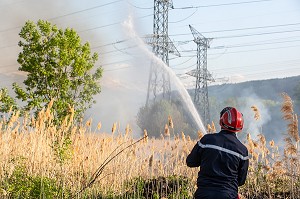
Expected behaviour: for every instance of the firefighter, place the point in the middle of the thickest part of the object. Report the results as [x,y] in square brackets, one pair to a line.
[222,158]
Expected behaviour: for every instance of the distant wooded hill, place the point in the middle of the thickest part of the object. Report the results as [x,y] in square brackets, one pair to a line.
[264,89]
[265,94]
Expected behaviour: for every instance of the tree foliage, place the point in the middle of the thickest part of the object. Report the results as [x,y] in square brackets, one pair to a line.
[153,118]
[59,67]
[7,103]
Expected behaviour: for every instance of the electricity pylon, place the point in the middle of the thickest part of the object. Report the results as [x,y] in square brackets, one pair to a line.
[202,75]
[159,79]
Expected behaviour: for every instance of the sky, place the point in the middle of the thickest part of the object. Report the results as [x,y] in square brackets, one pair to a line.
[251,40]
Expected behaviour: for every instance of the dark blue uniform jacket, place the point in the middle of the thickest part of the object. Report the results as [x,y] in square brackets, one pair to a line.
[223,162]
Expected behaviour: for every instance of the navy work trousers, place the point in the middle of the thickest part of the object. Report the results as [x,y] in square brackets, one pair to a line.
[214,194]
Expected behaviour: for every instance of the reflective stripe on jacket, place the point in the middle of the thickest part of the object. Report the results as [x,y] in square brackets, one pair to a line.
[223,162]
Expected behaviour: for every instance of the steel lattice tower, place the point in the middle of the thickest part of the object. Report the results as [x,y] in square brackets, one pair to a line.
[202,75]
[159,81]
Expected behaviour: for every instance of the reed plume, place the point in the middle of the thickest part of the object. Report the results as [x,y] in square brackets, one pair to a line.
[200,134]
[213,127]
[183,136]
[288,115]
[145,136]
[127,130]
[88,123]
[272,143]
[99,125]
[167,131]
[151,161]
[114,127]
[290,148]
[256,112]
[287,107]
[209,129]
[293,128]
[170,122]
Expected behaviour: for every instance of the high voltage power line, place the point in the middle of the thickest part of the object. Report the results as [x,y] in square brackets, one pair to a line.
[191,56]
[254,44]
[72,13]
[194,7]
[213,70]
[244,45]
[106,64]
[257,34]
[221,37]
[87,9]
[239,29]
[117,1]
[243,68]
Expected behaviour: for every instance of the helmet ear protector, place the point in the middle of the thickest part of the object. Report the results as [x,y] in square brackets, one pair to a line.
[231,119]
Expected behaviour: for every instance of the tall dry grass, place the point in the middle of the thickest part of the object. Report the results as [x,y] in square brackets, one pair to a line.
[273,174]
[71,154]
[39,145]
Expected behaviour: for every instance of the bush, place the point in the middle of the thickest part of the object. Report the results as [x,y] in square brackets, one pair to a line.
[21,185]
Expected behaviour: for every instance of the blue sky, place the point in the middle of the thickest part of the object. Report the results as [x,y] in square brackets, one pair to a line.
[252,39]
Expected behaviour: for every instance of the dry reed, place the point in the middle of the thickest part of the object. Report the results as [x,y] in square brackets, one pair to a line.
[256,112]
[29,141]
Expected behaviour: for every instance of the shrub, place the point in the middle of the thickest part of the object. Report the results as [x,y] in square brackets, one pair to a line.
[22,185]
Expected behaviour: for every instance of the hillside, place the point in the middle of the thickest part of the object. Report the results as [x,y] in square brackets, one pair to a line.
[264,89]
[265,94]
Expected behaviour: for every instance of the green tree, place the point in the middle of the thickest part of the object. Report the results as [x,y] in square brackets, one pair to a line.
[59,67]
[7,103]
[153,118]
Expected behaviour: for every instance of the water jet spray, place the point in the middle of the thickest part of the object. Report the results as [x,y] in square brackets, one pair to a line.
[128,24]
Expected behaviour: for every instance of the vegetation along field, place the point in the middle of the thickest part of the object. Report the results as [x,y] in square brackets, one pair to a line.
[42,160]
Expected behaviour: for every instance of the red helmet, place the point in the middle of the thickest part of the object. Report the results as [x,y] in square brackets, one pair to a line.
[231,119]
